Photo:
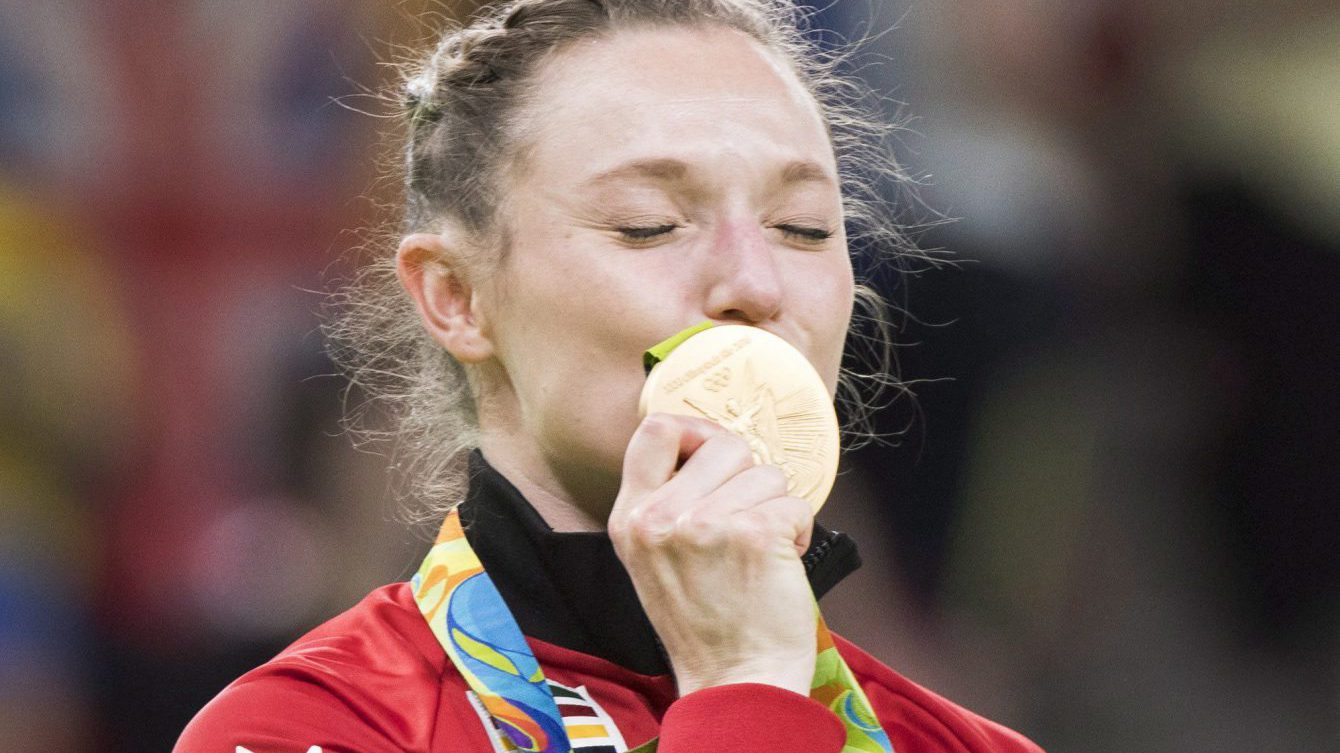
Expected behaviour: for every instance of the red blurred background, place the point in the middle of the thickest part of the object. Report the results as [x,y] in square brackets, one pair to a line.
[1111,516]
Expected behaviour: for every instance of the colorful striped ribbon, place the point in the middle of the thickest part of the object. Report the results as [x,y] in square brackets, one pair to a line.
[481,637]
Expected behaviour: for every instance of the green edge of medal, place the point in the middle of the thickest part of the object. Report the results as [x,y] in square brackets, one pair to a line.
[657,353]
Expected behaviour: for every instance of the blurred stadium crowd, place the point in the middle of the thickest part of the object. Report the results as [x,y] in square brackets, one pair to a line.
[1110,519]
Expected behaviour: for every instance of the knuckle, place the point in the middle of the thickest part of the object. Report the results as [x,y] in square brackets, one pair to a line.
[739,445]
[750,530]
[617,525]
[799,508]
[773,477]
[734,447]
[688,523]
[645,526]
[697,526]
[802,504]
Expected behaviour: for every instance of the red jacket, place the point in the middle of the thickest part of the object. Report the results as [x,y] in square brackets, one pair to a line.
[375,679]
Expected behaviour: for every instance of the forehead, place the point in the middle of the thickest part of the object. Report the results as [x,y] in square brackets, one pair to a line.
[695,93]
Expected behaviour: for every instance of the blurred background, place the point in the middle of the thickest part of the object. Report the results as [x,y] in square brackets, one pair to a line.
[1110,519]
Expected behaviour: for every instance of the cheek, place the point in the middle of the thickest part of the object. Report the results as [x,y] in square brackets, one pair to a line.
[826,297]
[828,289]
[573,338]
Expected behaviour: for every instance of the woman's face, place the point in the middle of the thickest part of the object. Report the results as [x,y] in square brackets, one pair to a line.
[671,176]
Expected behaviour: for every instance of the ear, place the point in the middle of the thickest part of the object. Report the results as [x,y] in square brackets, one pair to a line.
[430,270]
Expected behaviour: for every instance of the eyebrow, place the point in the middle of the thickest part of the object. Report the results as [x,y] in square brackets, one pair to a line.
[661,170]
[667,170]
[805,171]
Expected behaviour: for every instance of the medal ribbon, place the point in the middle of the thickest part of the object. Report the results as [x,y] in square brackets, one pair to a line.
[480,636]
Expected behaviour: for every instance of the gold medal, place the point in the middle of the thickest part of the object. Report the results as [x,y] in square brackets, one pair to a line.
[756,385]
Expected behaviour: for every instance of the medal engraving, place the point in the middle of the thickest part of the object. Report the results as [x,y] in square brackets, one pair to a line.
[678,383]
[757,386]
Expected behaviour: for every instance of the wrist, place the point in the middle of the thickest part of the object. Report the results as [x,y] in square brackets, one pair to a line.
[794,675]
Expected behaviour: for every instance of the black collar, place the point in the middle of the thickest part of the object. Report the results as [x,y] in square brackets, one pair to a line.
[569,589]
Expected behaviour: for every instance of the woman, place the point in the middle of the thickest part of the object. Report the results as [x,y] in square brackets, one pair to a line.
[586,178]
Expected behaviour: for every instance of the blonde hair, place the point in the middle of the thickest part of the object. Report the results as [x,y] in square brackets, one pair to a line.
[462,106]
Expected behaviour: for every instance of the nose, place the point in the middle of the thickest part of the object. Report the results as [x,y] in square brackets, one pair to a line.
[744,281]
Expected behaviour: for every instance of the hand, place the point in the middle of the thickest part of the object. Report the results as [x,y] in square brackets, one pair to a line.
[713,550]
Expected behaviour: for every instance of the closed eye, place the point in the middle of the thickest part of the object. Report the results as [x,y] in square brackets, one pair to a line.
[643,233]
[806,234]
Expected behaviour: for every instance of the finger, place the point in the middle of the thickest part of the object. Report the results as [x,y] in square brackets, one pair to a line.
[655,451]
[790,519]
[718,460]
[746,489]
[739,494]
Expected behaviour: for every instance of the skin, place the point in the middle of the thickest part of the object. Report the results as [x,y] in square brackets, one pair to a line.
[670,176]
